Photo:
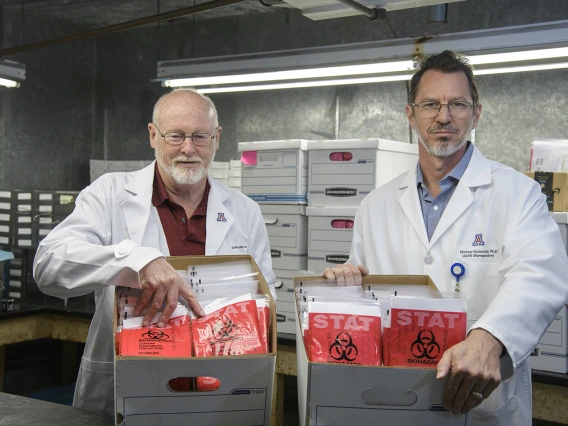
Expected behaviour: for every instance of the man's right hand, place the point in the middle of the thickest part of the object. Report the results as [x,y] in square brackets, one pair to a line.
[346,274]
[161,285]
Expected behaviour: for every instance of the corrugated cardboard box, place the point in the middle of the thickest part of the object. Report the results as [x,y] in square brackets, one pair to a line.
[244,397]
[356,395]
[555,186]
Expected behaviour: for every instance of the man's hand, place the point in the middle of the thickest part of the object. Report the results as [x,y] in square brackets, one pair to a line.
[346,274]
[474,369]
[161,285]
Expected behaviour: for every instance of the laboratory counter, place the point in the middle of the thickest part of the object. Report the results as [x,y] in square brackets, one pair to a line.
[22,411]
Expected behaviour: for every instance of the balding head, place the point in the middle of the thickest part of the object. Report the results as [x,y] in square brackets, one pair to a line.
[183,95]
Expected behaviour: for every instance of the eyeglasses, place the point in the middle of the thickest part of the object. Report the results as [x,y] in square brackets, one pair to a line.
[198,138]
[429,109]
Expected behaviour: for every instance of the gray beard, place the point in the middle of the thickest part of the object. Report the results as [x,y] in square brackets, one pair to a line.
[444,149]
[181,176]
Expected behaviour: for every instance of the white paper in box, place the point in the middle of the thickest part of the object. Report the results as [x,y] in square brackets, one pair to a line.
[279,172]
[342,394]
[244,397]
[287,228]
[343,172]
[328,242]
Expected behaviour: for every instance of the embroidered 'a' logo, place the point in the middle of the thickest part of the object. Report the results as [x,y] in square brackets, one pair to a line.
[221,217]
[478,240]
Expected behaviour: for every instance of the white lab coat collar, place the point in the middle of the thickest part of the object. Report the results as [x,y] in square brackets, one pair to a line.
[477,173]
[138,208]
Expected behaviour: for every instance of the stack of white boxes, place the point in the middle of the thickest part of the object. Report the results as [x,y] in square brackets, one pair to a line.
[5,221]
[341,174]
[219,170]
[100,167]
[235,175]
[274,173]
[551,354]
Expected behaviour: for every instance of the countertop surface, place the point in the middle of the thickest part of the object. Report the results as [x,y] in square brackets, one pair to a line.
[21,411]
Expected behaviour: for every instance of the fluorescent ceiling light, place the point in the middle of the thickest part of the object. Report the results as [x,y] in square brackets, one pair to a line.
[300,84]
[504,70]
[9,83]
[11,73]
[522,55]
[521,48]
[345,70]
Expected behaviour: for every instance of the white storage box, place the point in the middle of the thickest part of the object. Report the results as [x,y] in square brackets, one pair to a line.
[330,232]
[219,165]
[343,394]
[343,172]
[551,353]
[275,171]
[219,173]
[243,398]
[287,228]
[285,311]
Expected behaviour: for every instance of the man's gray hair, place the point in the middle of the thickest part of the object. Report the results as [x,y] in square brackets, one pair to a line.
[164,97]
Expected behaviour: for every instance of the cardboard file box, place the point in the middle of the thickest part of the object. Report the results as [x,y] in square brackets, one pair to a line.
[343,172]
[275,171]
[15,283]
[343,394]
[285,312]
[244,397]
[551,353]
[330,232]
[555,186]
[287,228]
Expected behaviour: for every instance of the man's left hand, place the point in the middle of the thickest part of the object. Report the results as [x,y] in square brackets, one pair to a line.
[474,368]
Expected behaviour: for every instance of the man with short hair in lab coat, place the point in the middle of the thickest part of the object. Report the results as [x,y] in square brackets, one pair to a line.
[453,202]
[124,224]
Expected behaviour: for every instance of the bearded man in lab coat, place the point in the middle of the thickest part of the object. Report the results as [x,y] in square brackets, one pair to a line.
[124,224]
[455,203]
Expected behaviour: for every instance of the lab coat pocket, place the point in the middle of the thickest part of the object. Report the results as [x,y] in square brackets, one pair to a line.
[480,283]
[506,415]
[95,386]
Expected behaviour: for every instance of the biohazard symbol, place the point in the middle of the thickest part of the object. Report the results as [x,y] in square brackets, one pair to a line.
[343,348]
[425,345]
[155,335]
[224,329]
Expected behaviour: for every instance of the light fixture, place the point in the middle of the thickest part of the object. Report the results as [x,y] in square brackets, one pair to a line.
[11,73]
[510,49]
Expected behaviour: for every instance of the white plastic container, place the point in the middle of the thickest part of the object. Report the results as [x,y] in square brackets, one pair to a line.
[343,172]
[275,172]
[330,232]
[287,228]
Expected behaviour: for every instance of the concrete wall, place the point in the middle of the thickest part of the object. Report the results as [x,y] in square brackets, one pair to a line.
[94,98]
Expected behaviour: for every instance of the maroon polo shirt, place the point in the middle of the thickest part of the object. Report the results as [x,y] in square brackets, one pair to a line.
[185,236]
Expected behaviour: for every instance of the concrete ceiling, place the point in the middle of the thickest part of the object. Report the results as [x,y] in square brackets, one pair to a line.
[89,14]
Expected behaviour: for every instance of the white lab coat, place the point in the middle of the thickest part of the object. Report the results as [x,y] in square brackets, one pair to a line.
[514,293]
[114,232]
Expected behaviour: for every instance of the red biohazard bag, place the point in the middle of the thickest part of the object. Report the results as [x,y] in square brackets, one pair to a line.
[344,333]
[230,330]
[173,340]
[206,383]
[263,322]
[419,337]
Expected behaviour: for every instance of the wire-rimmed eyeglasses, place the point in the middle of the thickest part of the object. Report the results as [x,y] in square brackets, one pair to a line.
[200,139]
[430,109]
